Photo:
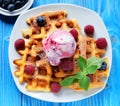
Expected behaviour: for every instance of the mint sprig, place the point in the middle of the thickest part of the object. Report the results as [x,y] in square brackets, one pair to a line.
[86,67]
[84,82]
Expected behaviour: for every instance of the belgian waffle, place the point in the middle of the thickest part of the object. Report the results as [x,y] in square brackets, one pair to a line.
[33,53]
[87,48]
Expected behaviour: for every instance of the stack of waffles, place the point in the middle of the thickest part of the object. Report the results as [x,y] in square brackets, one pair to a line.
[33,54]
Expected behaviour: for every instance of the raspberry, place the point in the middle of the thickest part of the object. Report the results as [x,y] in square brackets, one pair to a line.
[19,44]
[66,65]
[74,32]
[91,77]
[29,69]
[101,43]
[55,87]
[89,30]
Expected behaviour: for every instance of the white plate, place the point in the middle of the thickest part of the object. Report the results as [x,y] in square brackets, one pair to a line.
[18,11]
[84,17]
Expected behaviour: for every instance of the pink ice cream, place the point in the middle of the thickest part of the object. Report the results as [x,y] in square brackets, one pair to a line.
[58,45]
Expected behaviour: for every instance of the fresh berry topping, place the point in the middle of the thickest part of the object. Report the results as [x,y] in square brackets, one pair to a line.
[101,43]
[103,66]
[91,77]
[19,44]
[74,32]
[55,87]
[66,65]
[41,21]
[11,7]
[89,30]
[29,69]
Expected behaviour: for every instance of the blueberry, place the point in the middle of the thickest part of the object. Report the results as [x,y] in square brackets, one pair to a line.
[4,6]
[0,3]
[11,7]
[25,1]
[18,4]
[41,21]
[13,1]
[5,3]
[103,66]
[12,4]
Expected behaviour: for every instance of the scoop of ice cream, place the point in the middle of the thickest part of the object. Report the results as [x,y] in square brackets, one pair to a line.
[58,45]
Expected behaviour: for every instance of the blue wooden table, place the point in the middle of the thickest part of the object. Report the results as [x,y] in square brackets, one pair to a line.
[109,10]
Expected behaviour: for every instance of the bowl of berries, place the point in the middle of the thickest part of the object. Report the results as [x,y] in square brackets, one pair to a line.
[14,7]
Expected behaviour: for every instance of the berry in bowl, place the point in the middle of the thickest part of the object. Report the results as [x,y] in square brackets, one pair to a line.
[14,7]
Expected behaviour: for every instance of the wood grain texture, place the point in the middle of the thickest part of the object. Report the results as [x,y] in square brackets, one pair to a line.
[109,10]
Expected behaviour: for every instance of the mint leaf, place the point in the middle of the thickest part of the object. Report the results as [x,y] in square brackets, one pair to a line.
[84,82]
[79,75]
[90,69]
[67,81]
[82,63]
[86,67]
[100,63]
[95,61]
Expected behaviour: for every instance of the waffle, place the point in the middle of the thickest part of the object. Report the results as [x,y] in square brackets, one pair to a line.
[87,48]
[33,53]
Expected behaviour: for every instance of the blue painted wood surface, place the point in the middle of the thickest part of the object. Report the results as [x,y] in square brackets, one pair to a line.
[109,10]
